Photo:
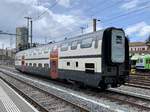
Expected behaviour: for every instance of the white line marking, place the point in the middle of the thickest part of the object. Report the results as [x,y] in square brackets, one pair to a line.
[7,102]
[34,109]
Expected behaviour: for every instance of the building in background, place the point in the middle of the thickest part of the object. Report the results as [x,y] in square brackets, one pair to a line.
[7,56]
[21,38]
[138,48]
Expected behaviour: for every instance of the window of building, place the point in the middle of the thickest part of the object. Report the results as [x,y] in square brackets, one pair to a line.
[74,45]
[143,49]
[64,47]
[86,43]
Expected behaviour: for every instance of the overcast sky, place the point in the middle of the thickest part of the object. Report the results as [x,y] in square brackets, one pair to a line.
[63,18]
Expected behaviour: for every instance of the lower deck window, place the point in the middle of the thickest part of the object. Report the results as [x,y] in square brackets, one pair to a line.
[39,65]
[77,64]
[68,63]
[46,65]
[34,65]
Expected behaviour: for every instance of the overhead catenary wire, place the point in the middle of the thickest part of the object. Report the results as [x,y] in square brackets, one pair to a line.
[127,13]
[107,20]
[53,5]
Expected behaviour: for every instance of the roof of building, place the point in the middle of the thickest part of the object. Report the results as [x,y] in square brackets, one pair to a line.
[134,44]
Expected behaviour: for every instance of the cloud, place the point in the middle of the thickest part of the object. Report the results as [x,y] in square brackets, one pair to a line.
[64,3]
[52,25]
[130,4]
[140,29]
[23,1]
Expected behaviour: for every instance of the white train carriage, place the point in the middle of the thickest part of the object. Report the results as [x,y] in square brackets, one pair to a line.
[96,59]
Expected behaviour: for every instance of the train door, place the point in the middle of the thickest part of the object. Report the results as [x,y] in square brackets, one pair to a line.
[54,64]
[23,63]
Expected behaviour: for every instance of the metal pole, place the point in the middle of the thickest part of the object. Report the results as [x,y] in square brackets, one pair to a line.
[94,25]
[82,29]
[31,32]
[28,18]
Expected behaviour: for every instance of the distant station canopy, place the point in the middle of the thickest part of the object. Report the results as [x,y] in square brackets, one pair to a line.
[21,38]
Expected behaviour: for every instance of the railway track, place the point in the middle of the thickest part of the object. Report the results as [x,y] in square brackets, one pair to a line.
[42,100]
[130,99]
[140,80]
[120,97]
[138,85]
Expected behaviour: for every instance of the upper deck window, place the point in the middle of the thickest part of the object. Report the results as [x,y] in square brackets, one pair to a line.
[64,47]
[86,43]
[34,53]
[74,45]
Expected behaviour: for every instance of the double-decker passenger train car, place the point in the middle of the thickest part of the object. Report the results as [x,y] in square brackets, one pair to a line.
[96,59]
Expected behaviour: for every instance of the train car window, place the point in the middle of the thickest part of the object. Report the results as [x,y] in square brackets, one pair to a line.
[90,68]
[86,43]
[68,63]
[138,61]
[89,65]
[64,47]
[118,39]
[74,45]
[34,64]
[54,48]
[45,51]
[34,53]
[40,52]
[141,60]
[46,65]
[146,61]
[30,64]
[96,43]
[39,65]
[77,64]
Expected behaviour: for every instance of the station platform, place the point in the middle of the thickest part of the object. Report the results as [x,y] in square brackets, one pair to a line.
[10,101]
